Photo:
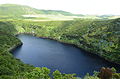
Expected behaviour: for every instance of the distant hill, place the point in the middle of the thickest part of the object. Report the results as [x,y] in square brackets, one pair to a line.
[8,11]
[19,10]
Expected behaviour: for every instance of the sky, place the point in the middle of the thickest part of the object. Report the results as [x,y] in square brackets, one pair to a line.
[92,7]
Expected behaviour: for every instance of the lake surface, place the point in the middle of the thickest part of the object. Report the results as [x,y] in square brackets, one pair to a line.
[55,55]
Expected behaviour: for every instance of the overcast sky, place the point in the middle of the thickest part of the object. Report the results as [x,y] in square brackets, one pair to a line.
[74,6]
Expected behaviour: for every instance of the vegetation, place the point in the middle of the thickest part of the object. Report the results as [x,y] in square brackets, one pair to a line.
[13,9]
[98,36]
[8,11]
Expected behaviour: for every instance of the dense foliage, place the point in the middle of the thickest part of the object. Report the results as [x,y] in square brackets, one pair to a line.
[100,37]
[10,67]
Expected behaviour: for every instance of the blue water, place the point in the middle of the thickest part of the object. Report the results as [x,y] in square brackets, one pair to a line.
[55,55]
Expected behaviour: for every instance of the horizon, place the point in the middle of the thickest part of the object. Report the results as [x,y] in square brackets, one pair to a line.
[86,7]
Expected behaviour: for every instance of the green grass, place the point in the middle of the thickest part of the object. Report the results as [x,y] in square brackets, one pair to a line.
[15,11]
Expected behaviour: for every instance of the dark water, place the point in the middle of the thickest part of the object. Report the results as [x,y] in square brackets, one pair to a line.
[55,55]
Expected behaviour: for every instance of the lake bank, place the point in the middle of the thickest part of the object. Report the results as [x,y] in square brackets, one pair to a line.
[56,55]
[75,45]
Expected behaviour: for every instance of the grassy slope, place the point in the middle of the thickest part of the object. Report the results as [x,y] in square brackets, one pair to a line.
[14,10]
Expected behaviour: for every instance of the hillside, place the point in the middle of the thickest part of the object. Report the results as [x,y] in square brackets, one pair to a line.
[19,10]
[15,11]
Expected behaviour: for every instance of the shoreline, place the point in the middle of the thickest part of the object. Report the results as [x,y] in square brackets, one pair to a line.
[15,47]
[86,51]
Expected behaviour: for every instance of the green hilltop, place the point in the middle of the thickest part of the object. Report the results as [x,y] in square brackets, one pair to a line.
[19,10]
